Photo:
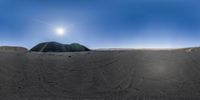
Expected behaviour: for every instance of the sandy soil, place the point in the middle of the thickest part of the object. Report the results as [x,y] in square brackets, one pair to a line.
[101,75]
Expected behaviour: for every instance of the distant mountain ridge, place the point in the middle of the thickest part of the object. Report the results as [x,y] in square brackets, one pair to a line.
[59,47]
[13,49]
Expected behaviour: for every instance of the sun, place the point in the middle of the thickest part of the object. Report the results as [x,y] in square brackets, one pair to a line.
[60,31]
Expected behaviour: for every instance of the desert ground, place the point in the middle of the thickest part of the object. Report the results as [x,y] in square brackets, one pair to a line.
[101,75]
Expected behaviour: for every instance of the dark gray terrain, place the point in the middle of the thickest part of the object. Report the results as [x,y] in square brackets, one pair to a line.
[101,75]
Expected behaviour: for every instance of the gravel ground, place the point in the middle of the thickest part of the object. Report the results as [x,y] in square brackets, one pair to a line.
[101,75]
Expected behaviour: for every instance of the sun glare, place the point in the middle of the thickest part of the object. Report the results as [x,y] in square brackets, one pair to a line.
[60,31]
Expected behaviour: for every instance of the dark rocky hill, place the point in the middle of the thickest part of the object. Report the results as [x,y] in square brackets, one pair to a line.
[58,47]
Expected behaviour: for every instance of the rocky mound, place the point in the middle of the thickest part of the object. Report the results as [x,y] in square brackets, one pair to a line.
[58,47]
[13,49]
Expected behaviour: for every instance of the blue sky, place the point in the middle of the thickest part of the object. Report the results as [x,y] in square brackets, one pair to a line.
[101,23]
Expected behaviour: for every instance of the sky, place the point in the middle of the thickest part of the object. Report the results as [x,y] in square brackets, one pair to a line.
[101,23]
